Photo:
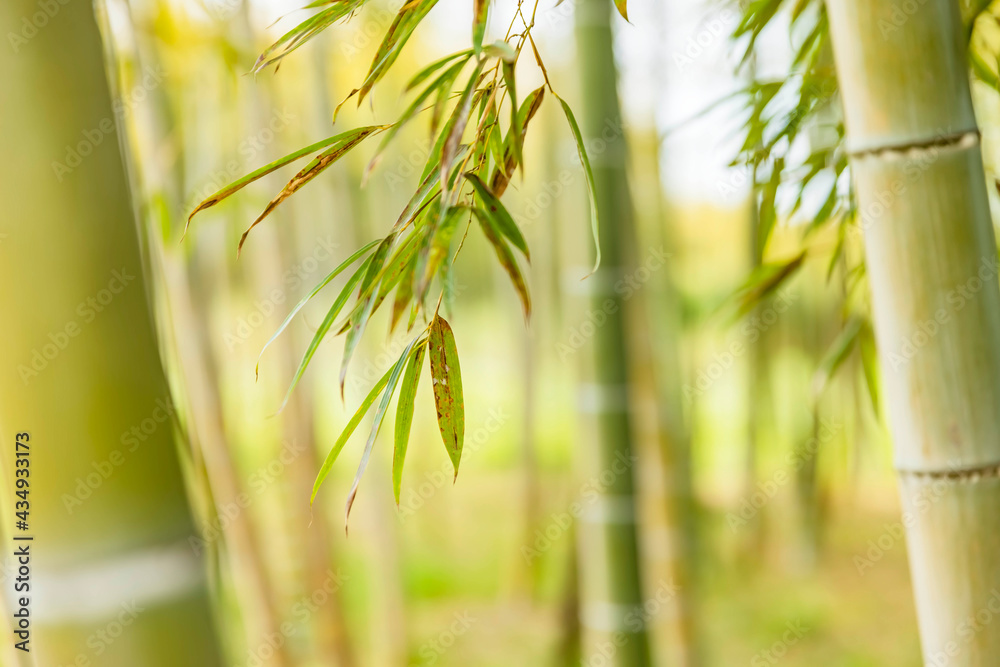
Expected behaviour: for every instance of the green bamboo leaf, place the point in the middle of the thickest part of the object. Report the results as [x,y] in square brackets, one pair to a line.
[404,293]
[365,306]
[241,183]
[426,72]
[324,327]
[306,30]
[869,362]
[404,416]
[507,260]
[301,304]
[515,130]
[765,279]
[591,188]
[502,51]
[506,166]
[446,378]
[456,127]
[349,429]
[438,249]
[350,139]
[390,388]
[443,82]
[837,353]
[499,215]
[768,212]
[407,19]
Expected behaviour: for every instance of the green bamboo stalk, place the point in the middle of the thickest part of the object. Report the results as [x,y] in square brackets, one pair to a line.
[81,371]
[611,587]
[931,259]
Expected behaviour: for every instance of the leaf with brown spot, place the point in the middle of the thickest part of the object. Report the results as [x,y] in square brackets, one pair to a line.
[505,167]
[446,378]
[349,140]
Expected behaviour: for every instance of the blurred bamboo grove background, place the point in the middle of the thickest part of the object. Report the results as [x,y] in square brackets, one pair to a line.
[766,525]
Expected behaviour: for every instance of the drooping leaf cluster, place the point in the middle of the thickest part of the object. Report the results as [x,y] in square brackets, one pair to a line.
[478,125]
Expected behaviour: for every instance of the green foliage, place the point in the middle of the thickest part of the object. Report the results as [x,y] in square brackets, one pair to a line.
[469,167]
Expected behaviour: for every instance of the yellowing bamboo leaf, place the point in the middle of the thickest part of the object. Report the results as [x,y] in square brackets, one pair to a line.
[407,19]
[306,30]
[446,378]
[404,416]
[349,140]
[365,306]
[622,8]
[241,183]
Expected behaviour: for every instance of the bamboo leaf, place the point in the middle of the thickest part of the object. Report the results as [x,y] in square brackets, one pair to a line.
[305,31]
[404,416]
[349,429]
[764,281]
[507,260]
[499,215]
[479,16]
[324,327]
[390,388]
[869,362]
[456,127]
[301,304]
[622,8]
[366,305]
[446,378]
[241,183]
[443,82]
[407,19]
[515,130]
[349,140]
[426,72]
[591,187]
[507,164]
[837,353]
[438,249]
[502,51]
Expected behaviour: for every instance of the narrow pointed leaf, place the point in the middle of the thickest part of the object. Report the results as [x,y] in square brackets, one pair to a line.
[324,327]
[591,187]
[499,215]
[479,16]
[350,139]
[390,388]
[404,416]
[507,164]
[622,8]
[349,429]
[301,304]
[507,260]
[241,183]
[366,305]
